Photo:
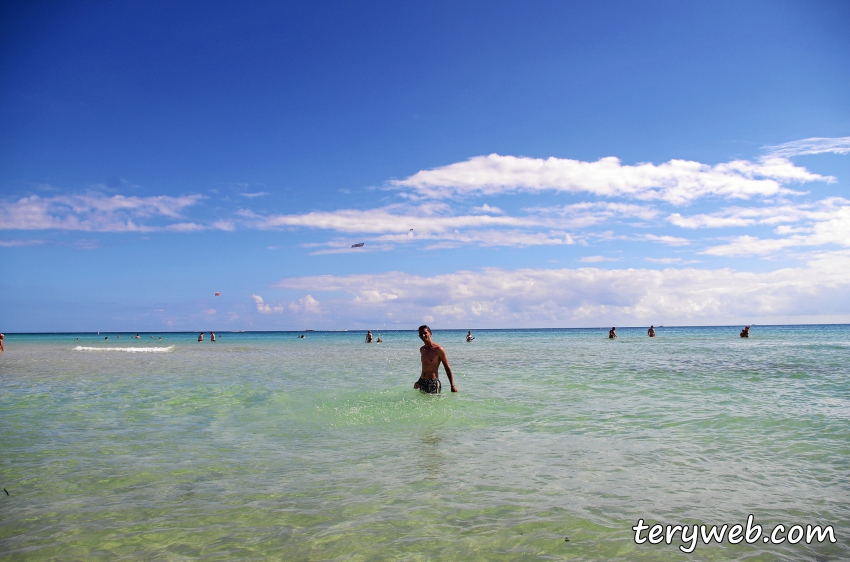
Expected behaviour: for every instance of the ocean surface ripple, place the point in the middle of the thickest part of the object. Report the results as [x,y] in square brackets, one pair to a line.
[262,445]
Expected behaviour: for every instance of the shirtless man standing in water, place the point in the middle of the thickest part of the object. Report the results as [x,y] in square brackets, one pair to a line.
[432,355]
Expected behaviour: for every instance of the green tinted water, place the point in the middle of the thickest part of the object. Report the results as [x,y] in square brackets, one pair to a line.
[264,445]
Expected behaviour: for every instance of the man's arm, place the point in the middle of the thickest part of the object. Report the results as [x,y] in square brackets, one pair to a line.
[445,361]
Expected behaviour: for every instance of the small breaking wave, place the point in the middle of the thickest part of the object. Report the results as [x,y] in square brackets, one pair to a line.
[128,349]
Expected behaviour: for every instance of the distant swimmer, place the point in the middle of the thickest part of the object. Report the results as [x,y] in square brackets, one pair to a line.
[138,337]
[380,340]
[201,337]
[612,333]
[118,336]
[212,336]
[651,332]
[432,355]
[106,338]
[1,342]
[745,333]
[369,336]
[160,337]
[469,336]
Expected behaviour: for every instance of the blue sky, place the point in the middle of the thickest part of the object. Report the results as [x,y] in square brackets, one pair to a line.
[559,164]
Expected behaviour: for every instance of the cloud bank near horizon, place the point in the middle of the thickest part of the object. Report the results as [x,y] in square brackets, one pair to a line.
[816,292]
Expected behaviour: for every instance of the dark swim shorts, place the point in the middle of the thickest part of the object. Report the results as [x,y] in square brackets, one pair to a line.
[430,386]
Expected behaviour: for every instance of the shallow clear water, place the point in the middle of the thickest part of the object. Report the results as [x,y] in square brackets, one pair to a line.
[263,445]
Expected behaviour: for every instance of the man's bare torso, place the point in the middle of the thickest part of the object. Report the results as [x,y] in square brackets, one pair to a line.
[430,361]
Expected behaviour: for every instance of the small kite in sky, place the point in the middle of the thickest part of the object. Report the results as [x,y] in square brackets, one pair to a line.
[360,245]
[217,294]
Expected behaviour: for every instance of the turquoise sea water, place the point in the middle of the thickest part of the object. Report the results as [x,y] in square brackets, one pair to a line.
[261,445]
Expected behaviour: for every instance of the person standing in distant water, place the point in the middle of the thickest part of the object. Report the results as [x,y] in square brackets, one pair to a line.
[369,336]
[469,336]
[651,331]
[432,355]
[1,343]
[212,336]
[201,337]
[745,333]
[612,333]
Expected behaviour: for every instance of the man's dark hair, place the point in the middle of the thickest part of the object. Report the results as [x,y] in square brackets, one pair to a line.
[424,327]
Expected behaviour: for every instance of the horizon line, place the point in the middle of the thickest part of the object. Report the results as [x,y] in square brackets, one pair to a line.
[364,330]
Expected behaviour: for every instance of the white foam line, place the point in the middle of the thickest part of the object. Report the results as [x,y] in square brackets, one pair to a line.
[128,349]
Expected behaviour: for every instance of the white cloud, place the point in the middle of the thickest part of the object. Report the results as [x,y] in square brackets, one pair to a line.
[671,261]
[678,181]
[15,243]
[402,224]
[485,208]
[426,221]
[264,308]
[824,209]
[227,225]
[394,218]
[827,222]
[435,223]
[590,296]
[751,246]
[492,237]
[86,244]
[590,213]
[95,213]
[176,227]
[487,237]
[814,145]
[714,220]
[307,304]
[344,247]
[664,239]
[597,259]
